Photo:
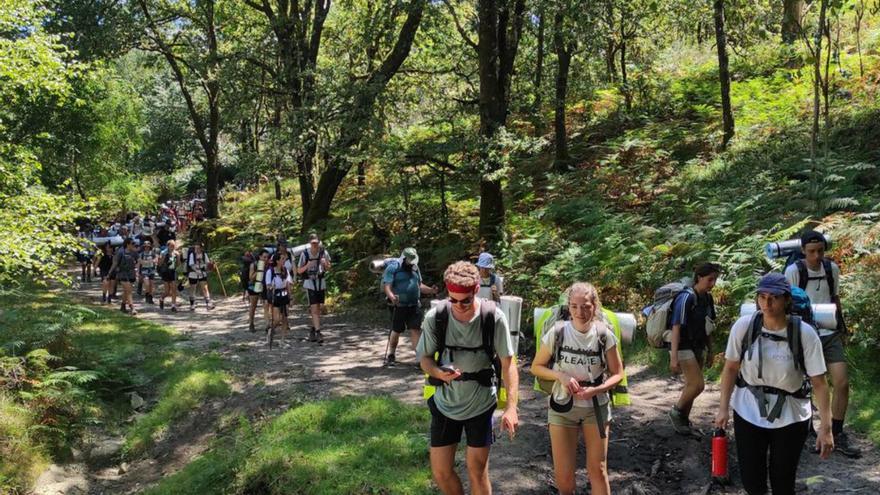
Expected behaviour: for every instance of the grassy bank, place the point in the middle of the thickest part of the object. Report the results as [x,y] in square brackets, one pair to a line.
[66,367]
[346,445]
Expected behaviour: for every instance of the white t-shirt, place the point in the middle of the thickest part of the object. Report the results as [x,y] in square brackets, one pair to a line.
[276,281]
[572,360]
[486,290]
[317,282]
[817,287]
[778,372]
[198,265]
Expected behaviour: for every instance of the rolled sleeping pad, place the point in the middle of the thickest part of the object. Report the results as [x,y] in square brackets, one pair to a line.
[825,315]
[294,252]
[512,308]
[627,322]
[378,266]
[782,249]
[115,240]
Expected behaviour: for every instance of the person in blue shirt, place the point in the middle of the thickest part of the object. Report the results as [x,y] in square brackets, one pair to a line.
[693,319]
[402,283]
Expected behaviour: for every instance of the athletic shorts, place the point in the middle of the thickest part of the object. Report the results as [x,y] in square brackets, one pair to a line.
[83,258]
[103,273]
[130,280]
[689,354]
[281,298]
[832,348]
[194,281]
[251,292]
[316,296]
[578,416]
[446,431]
[168,276]
[406,317]
[148,273]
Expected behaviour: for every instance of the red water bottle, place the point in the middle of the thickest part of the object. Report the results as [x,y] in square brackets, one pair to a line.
[719,456]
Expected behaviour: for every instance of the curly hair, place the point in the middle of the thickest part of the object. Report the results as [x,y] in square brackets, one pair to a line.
[462,273]
[590,292]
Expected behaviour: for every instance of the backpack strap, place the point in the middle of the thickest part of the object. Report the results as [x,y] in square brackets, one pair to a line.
[803,276]
[794,342]
[487,327]
[441,323]
[750,337]
[829,276]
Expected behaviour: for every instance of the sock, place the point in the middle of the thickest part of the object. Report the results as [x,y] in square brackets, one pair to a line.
[836,426]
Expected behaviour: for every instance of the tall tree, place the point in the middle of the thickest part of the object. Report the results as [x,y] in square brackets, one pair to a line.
[185,34]
[499,27]
[723,73]
[792,15]
[539,68]
[564,45]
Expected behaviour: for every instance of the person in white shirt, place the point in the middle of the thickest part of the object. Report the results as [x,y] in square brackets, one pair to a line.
[772,359]
[820,278]
[279,281]
[313,265]
[198,265]
[491,284]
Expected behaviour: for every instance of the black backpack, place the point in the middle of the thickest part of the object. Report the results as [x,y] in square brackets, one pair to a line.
[488,377]
[245,270]
[306,275]
[804,276]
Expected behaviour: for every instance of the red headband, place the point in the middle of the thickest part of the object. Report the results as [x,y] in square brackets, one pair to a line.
[462,289]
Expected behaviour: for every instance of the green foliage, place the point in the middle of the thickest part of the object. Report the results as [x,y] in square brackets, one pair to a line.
[345,445]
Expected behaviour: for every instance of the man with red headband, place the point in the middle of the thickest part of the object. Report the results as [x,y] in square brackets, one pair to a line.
[466,391]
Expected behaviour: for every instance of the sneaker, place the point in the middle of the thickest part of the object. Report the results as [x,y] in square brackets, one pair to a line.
[210,305]
[161,303]
[679,424]
[313,335]
[319,336]
[842,445]
[132,312]
[390,361]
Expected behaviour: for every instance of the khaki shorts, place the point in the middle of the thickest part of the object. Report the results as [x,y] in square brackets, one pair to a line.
[832,348]
[689,354]
[577,416]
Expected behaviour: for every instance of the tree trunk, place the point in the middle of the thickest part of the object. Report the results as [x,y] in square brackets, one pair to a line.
[563,57]
[792,15]
[539,73]
[624,82]
[499,30]
[723,73]
[362,174]
[817,82]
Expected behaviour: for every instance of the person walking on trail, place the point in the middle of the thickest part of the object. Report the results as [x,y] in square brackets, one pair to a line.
[198,264]
[693,319]
[255,287]
[280,282]
[169,259]
[820,278]
[124,266]
[467,392]
[402,283]
[104,262]
[491,286]
[313,265]
[147,262]
[771,362]
[577,355]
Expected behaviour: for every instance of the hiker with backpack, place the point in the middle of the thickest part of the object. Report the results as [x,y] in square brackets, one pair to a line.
[578,361]
[169,259]
[465,345]
[125,268]
[403,287]
[104,262]
[147,262]
[820,278]
[256,286]
[773,360]
[197,266]
[280,282]
[312,267]
[691,324]
[491,285]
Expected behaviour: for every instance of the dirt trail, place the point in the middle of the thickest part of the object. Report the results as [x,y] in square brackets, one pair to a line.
[645,456]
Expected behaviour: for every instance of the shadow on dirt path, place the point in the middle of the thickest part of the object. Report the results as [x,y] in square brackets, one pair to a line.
[645,455]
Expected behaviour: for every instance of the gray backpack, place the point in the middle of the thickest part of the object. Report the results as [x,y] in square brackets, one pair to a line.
[659,313]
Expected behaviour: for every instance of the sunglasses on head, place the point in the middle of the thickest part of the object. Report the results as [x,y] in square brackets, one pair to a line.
[463,302]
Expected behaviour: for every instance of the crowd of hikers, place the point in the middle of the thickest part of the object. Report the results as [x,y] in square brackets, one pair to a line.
[775,360]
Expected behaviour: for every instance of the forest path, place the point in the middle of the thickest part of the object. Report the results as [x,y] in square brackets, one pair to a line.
[645,455]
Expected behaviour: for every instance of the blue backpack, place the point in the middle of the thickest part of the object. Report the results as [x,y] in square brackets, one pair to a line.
[801,305]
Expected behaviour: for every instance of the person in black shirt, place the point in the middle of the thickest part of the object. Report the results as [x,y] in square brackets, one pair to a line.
[693,317]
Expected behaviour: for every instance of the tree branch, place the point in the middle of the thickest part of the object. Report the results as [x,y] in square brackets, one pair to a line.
[464,35]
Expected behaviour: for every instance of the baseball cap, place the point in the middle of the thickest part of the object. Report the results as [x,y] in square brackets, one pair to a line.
[811,236]
[410,255]
[773,283]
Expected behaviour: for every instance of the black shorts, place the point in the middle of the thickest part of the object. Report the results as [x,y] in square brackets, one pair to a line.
[194,281]
[446,431]
[168,276]
[281,298]
[252,292]
[316,296]
[406,317]
[130,280]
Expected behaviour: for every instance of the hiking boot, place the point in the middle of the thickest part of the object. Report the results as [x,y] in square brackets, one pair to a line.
[161,303]
[252,328]
[842,445]
[174,309]
[319,336]
[132,312]
[390,361]
[679,423]
[313,335]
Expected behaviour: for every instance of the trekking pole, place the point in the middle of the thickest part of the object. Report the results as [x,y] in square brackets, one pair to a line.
[217,269]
